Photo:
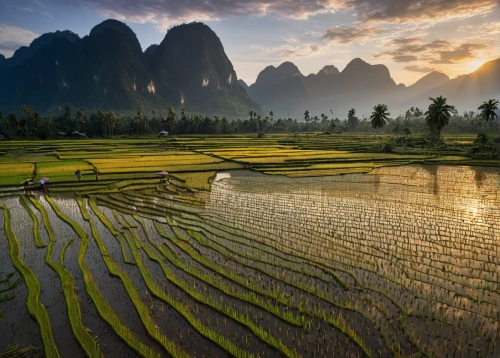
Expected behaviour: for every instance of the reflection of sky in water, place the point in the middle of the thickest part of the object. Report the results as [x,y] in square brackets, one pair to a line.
[436,220]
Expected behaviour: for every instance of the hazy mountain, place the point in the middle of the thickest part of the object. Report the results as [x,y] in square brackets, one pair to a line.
[472,89]
[108,70]
[361,85]
[280,89]
[285,90]
[243,84]
[322,82]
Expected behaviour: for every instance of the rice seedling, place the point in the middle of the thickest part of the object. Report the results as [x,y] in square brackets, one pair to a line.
[395,259]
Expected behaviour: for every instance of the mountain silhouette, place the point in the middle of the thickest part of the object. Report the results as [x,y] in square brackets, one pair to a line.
[108,70]
[360,85]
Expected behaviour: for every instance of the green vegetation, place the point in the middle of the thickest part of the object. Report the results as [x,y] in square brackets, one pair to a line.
[35,308]
[399,262]
[132,164]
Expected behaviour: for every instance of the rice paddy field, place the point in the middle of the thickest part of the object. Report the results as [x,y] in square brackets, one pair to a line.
[286,246]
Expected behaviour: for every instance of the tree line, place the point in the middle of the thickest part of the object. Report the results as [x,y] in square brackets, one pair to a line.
[105,124]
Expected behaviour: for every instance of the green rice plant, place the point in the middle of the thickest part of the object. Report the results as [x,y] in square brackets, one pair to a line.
[36,225]
[81,333]
[195,322]
[16,169]
[251,296]
[61,168]
[196,180]
[35,308]
[108,314]
[141,308]
[14,351]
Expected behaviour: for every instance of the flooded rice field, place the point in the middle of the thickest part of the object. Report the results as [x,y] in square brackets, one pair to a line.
[401,262]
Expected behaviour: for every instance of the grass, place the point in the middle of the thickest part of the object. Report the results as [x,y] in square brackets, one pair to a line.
[35,308]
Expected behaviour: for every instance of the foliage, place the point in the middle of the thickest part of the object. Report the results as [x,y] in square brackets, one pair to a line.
[379,116]
[438,115]
[488,110]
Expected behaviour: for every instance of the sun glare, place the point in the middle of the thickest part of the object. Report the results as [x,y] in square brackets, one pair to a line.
[473,65]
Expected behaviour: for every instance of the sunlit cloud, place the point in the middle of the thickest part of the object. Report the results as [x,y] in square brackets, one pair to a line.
[435,52]
[419,11]
[461,53]
[416,68]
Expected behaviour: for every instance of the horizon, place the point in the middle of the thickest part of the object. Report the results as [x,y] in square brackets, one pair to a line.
[452,37]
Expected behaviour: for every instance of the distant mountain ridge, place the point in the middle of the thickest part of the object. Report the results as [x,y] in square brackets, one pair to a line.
[360,85]
[108,70]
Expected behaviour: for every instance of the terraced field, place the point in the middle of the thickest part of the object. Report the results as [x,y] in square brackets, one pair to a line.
[220,261]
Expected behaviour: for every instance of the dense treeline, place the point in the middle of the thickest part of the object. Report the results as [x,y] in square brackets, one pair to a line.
[104,124]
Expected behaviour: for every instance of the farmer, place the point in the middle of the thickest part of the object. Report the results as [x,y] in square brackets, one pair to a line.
[78,174]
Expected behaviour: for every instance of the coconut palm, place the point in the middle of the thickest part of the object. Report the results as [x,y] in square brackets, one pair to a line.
[379,116]
[488,110]
[481,141]
[438,114]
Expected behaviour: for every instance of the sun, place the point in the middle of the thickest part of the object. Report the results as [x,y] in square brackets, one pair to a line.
[473,65]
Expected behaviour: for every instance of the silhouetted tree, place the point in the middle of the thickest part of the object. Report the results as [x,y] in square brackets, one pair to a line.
[171,120]
[438,115]
[488,110]
[80,119]
[352,120]
[306,116]
[379,116]
[138,119]
[481,141]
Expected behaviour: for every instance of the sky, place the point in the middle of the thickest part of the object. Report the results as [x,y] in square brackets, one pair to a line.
[412,38]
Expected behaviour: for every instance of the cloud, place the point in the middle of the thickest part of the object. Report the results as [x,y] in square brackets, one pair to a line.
[348,34]
[461,53]
[405,58]
[406,41]
[416,68]
[290,50]
[435,52]
[421,10]
[165,13]
[490,28]
[13,37]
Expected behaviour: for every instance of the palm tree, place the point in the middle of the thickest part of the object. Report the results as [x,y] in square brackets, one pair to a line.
[28,115]
[379,116]
[488,110]
[438,115]
[306,116]
[481,141]
[80,118]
